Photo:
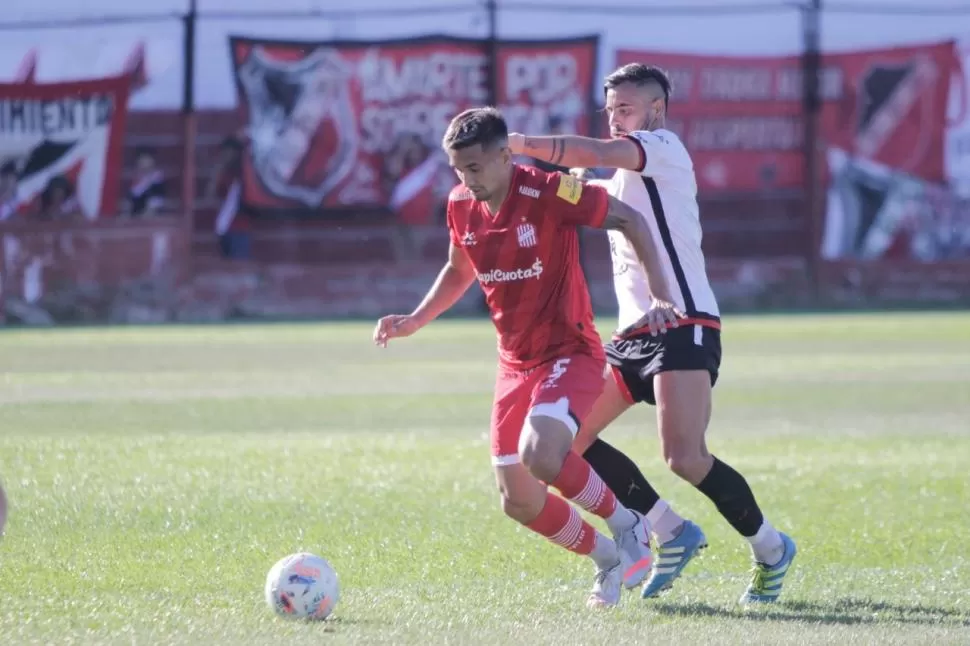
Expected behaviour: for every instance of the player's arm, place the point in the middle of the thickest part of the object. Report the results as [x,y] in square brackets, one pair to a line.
[453,281]
[584,152]
[578,203]
[622,217]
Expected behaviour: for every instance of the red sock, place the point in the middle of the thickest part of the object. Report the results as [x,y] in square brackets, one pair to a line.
[578,482]
[561,523]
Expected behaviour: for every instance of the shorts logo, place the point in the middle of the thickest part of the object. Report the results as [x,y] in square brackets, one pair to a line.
[528,191]
[570,189]
[500,276]
[468,240]
[527,235]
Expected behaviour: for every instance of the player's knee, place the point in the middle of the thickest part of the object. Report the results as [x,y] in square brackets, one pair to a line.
[519,503]
[543,445]
[518,508]
[691,465]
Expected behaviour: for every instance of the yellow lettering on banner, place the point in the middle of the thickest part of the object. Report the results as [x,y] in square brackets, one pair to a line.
[570,189]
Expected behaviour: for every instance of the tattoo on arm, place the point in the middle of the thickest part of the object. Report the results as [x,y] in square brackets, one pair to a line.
[557,154]
[554,156]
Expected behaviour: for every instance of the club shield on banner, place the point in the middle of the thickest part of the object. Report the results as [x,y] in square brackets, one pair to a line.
[344,126]
[72,129]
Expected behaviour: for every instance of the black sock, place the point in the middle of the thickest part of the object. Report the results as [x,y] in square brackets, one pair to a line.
[732,496]
[621,475]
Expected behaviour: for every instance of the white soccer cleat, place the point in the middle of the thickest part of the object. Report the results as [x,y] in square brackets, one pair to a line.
[606,588]
[635,555]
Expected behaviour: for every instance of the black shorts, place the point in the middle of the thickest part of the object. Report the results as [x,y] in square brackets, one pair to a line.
[637,359]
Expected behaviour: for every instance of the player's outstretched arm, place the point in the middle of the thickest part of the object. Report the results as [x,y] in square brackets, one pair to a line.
[622,217]
[585,152]
[453,281]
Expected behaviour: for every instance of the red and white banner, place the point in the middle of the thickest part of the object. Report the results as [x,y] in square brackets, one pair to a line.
[70,131]
[741,117]
[337,125]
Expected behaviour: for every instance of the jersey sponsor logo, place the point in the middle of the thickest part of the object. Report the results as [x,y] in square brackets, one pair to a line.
[502,276]
[527,235]
[529,191]
[570,189]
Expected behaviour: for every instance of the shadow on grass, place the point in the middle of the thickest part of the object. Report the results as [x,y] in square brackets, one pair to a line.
[846,611]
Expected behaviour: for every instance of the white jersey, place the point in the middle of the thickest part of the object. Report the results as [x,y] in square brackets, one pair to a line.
[665,191]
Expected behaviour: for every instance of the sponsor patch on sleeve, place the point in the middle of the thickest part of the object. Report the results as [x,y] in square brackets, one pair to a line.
[570,189]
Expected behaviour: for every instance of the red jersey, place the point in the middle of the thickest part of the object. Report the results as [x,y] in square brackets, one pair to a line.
[527,260]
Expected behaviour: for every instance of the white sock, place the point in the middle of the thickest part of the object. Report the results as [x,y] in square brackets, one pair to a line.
[621,519]
[766,545]
[665,522]
[604,554]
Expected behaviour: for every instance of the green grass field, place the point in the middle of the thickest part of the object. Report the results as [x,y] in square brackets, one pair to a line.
[155,474]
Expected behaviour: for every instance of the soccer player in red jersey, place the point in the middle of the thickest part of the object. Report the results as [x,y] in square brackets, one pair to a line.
[515,230]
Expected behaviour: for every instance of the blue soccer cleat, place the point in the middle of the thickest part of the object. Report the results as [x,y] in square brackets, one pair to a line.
[672,557]
[766,581]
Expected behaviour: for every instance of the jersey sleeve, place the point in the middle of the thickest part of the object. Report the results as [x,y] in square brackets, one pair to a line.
[450,220]
[575,203]
[658,153]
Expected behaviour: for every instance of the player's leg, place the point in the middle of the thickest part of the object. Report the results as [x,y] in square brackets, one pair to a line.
[636,360]
[683,413]
[527,500]
[621,474]
[564,394]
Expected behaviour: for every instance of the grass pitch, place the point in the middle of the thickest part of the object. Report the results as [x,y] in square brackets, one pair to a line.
[155,475]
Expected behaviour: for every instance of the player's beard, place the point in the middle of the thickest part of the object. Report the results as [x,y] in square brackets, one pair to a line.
[653,121]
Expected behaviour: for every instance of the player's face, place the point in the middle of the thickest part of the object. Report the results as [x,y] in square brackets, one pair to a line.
[630,108]
[484,172]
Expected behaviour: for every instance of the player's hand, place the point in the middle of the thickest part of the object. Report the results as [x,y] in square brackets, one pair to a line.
[661,316]
[517,143]
[394,326]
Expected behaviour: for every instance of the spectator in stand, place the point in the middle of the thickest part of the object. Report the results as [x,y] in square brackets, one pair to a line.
[225,186]
[411,171]
[8,190]
[57,202]
[146,195]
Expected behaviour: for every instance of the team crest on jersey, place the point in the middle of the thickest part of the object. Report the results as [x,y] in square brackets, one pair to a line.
[527,235]
[570,189]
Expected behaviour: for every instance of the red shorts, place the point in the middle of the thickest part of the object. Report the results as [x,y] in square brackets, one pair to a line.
[565,389]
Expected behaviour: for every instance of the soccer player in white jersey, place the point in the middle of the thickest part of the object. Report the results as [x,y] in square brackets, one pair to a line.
[675,370]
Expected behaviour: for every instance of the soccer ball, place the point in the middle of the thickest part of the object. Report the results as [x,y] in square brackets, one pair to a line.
[302,586]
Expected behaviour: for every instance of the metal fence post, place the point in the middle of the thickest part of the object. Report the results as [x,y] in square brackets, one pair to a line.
[811,109]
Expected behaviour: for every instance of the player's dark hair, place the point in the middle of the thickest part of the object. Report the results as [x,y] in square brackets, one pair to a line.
[639,74]
[485,126]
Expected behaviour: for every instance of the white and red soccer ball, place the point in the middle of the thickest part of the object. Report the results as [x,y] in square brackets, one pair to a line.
[302,586]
